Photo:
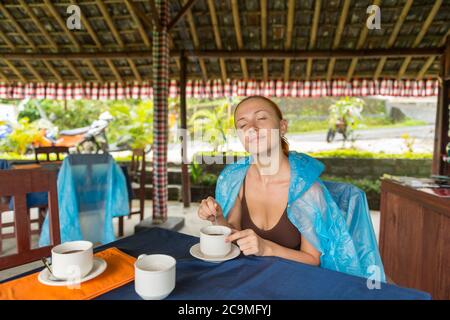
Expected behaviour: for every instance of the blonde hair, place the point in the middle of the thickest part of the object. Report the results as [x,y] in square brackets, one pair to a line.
[284,142]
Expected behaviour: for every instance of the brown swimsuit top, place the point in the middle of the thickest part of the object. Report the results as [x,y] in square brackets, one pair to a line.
[283,233]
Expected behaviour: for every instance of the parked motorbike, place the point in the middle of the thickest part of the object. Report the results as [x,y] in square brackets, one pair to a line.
[91,139]
[340,126]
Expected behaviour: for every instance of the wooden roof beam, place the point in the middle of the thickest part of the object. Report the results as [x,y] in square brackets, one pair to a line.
[359,45]
[62,23]
[196,42]
[89,28]
[420,36]
[288,42]
[186,8]
[237,30]
[38,24]
[132,9]
[215,24]
[15,70]
[264,38]
[155,15]
[135,70]
[393,37]
[19,29]
[94,70]
[53,70]
[313,37]
[337,36]
[109,22]
[74,70]
[430,60]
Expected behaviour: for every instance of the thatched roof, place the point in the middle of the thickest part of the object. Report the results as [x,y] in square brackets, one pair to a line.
[298,26]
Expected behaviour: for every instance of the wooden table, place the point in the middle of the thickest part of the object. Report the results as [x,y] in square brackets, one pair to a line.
[415,238]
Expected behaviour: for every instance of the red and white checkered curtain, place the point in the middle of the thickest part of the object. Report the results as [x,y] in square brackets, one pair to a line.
[217,89]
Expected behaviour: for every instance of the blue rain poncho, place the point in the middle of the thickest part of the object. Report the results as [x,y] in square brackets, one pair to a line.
[92,189]
[333,217]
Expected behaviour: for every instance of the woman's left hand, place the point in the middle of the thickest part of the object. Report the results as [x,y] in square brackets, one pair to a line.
[249,242]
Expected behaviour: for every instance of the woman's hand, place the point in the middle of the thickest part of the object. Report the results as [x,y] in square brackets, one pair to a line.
[210,208]
[249,242]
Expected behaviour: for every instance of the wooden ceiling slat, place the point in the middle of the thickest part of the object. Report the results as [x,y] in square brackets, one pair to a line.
[74,70]
[94,70]
[337,36]
[109,22]
[359,45]
[288,42]
[196,42]
[264,38]
[89,28]
[33,71]
[19,29]
[131,8]
[237,29]
[215,25]
[313,36]
[38,24]
[393,36]
[423,31]
[135,70]
[15,70]
[62,24]
[430,60]
[186,8]
[55,73]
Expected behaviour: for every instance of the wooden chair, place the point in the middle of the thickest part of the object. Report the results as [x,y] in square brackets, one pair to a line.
[137,175]
[50,150]
[17,183]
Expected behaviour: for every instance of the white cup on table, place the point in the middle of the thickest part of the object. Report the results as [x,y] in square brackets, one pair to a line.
[72,260]
[212,241]
[154,276]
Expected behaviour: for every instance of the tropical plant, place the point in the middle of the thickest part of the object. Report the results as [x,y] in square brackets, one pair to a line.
[199,177]
[214,123]
[133,123]
[24,133]
[349,110]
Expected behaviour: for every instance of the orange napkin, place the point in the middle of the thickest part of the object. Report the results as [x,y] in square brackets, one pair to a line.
[119,271]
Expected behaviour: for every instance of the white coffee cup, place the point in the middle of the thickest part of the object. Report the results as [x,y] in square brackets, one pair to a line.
[72,260]
[212,241]
[154,276]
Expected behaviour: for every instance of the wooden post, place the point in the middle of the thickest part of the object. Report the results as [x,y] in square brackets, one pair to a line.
[441,137]
[185,181]
[160,59]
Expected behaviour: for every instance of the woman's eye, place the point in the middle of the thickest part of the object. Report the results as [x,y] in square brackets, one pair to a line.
[242,126]
[263,118]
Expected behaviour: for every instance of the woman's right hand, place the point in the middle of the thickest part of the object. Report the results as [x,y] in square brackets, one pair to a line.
[210,208]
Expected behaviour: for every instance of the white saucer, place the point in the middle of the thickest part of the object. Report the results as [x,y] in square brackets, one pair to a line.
[97,269]
[195,252]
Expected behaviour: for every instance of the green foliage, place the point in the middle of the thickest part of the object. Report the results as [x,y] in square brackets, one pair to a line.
[367,185]
[355,153]
[23,135]
[132,122]
[198,177]
[216,123]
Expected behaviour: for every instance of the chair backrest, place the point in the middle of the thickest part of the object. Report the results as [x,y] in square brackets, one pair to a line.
[57,150]
[137,167]
[17,184]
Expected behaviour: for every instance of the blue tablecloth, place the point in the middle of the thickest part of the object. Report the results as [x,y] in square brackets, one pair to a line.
[245,277]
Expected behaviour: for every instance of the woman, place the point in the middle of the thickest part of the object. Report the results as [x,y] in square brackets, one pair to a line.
[276,204]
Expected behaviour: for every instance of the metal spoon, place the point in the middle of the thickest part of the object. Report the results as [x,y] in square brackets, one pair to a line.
[52,277]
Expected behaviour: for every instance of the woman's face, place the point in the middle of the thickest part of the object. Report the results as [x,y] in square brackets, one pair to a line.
[258,125]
